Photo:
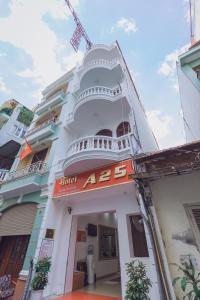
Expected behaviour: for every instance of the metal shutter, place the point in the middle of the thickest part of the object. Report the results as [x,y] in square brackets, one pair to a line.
[18,220]
[196,215]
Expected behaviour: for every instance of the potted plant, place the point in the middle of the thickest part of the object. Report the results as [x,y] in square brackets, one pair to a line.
[138,285]
[189,280]
[40,279]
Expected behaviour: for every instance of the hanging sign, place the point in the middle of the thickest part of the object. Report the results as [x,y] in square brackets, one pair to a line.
[97,179]
[46,248]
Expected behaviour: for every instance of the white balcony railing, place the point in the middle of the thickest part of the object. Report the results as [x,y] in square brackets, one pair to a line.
[101,62]
[3,174]
[99,143]
[100,91]
[44,101]
[39,167]
[41,126]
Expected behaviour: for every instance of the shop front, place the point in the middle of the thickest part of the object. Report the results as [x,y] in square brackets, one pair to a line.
[97,228]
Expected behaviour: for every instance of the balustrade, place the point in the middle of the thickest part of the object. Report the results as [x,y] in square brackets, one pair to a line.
[41,126]
[99,143]
[60,94]
[39,167]
[99,90]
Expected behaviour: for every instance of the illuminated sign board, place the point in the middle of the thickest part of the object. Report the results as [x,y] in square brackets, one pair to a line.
[97,179]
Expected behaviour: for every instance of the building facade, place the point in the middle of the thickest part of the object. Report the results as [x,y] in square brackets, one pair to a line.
[90,194]
[188,68]
[23,187]
[14,122]
[170,180]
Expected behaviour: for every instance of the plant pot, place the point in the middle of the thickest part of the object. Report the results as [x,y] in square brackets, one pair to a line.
[36,295]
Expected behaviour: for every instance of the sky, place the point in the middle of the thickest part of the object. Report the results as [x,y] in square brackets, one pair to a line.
[35,50]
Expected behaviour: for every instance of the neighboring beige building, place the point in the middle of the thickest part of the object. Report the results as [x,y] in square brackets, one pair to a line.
[170,179]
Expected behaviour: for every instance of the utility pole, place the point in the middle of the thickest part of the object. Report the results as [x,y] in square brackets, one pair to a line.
[79,31]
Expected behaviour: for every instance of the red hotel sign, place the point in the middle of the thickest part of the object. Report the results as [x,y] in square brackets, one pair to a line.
[96,179]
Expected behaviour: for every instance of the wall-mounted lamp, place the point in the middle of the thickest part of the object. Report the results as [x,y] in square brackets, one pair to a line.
[69,209]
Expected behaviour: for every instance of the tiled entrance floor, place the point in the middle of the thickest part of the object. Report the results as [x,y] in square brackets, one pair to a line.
[86,296]
[105,287]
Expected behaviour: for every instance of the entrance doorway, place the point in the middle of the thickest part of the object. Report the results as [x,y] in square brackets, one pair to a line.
[12,254]
[96,261]
[15,230]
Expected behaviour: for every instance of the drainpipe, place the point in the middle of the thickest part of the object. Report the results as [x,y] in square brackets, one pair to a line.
[162,252]
[152,223]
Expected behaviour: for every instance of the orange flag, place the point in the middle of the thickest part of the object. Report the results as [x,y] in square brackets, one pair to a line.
[26,150]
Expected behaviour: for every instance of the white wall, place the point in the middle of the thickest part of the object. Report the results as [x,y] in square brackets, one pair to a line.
[120,199]
[196,22]
[169,196]
[102,267]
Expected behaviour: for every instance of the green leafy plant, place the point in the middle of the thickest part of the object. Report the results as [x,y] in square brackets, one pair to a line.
[40,279]
[138,285]
[25,116]
[190,280]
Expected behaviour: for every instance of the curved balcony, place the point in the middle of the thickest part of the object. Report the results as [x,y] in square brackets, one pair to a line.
[49,102]
[97,91]
[43,131]
[27,180]
[98,149]
[99,143]
[96,63]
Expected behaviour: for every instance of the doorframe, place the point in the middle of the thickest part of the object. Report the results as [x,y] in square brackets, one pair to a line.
[68,284]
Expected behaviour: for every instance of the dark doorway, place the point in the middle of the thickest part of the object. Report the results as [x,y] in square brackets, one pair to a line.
[12,254]
[39,156]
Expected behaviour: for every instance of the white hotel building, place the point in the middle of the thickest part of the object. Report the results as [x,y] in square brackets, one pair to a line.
[102,124]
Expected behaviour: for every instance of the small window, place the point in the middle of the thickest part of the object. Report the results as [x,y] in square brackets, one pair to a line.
[105,132]
[123,129]
[193,212]
[18,131]
[39,156]
[138,236]
[197,70]
[23,133]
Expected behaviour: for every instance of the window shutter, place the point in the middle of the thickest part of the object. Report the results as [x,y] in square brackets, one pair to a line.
[18,220]
[196,215]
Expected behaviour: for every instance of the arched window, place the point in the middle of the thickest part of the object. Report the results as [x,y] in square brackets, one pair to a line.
[103,142]
[104,132]
[123,128]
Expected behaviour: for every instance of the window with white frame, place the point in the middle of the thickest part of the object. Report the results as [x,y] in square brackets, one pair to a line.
[193,212]
[19,131]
